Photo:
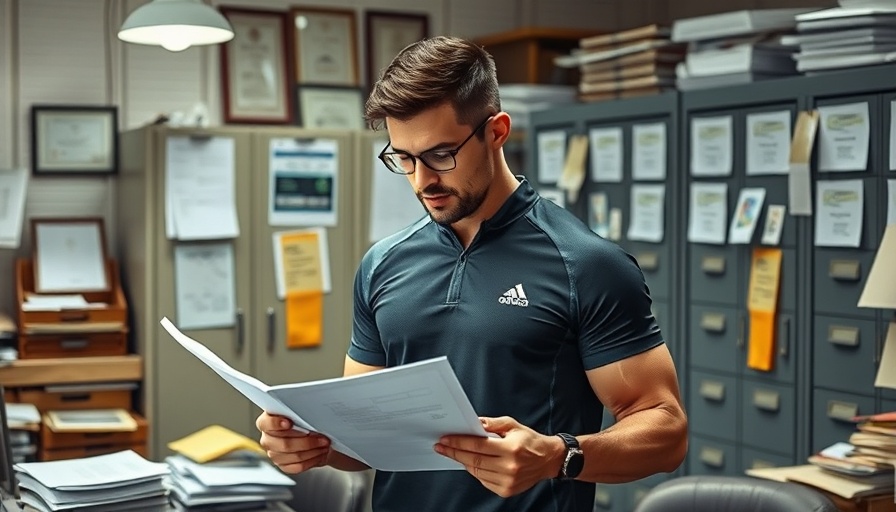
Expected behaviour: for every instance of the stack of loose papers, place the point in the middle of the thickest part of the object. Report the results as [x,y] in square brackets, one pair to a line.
[735,47]
[122,481]
[237,482]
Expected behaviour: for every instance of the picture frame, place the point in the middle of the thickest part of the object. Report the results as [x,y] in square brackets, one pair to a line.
[69,255]
[327,107]
[389,32]
[74,139]
[255,69]
[325,46]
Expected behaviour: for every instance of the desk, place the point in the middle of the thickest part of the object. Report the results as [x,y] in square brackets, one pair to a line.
[883,503]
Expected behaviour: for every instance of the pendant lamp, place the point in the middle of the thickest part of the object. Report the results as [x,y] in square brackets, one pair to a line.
[175,25]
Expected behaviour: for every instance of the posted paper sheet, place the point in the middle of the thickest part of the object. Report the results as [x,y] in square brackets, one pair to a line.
[647,213]
[551,155]
[712,146]
[844,135]
[708,213]
[606,154]
[838,222]
[649,152]
[768,143]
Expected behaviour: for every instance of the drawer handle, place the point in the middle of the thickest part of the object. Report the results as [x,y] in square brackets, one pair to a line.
[74,397]
[845,270]
[843,335]
[603,498]
[713,265]
[712,390]
[784,339]
[648,261]
[767,400]
[73,316]
[762,464]
[713,322]
[712,457]
[842,411]
[73,344]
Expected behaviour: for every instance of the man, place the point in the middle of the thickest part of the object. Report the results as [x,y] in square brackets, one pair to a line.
[543,321]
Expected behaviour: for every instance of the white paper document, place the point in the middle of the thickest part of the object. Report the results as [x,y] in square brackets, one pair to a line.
[393,205]
[389,419]
[708,213]
[649,151]
[606,154]
[844,136]
[774,224]
[551,155]
[647,213]
[200,188]
[99,472]
[13,188]
[891,200]
[746,215]
[768,143]
[205,285]
[838,222]
[712,146]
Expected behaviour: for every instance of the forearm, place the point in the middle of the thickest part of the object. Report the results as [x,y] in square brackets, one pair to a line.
[641,444]
[344,462]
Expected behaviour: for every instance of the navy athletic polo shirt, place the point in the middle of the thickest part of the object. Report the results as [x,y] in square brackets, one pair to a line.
[534,301]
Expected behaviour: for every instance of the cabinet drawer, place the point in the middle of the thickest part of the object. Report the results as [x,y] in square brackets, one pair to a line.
[844,354]
[758,459]
[831,413]
[60,398]
[713,273]
[73,345]
[90,451]
[714,334]
[608,498]
[839,279]
[54,440]
[706,457]
[712,405]
[769,416]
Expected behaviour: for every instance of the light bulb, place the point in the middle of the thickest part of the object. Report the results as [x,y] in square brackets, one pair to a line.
[175,43]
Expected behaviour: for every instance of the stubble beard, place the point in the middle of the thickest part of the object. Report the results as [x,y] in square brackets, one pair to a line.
[466,206]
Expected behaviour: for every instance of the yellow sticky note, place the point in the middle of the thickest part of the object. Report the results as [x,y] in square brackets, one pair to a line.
[304,319]
[211,443]
[765,279]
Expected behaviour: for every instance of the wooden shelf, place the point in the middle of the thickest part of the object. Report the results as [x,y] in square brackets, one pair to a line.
[71,370]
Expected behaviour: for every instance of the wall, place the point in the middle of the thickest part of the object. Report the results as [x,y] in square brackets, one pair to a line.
[64,51]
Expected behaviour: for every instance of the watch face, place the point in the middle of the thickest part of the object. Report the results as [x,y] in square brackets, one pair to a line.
[575,464]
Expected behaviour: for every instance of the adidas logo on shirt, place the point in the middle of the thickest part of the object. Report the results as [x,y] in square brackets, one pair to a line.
[514,297]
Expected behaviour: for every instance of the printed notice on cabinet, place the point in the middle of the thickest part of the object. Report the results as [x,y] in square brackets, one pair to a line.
[708,213]
[205,285]
[844,134]
[768,143]
[304,182]
[649,151]
[711,146]
[838,222]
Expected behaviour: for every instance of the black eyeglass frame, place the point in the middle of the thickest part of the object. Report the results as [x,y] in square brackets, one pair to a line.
[383,156]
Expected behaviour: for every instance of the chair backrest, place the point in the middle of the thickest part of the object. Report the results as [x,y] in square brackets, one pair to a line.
[327,489]
[706,493]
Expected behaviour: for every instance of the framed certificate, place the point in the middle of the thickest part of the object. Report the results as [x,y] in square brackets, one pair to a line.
[69,255]
[74,139]
[254,76]
[325,46]
[387,34]
[330,107]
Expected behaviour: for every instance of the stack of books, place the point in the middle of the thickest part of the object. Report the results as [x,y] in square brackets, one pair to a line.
[121,481]
[869,456]
[852,35]
[735,47]
[239,481]
[632,62]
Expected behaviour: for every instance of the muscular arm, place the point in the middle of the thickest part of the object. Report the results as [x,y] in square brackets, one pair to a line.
[650,433]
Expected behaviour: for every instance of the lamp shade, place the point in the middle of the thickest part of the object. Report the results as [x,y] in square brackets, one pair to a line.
[175,25]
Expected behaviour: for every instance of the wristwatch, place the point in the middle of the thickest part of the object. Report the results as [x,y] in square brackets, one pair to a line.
[575,458]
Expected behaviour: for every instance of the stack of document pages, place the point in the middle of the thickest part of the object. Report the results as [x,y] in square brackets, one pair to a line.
[24,424]
[735,47]
[852,35]
[121,481]
[632,62]
[241,481]
[521,100]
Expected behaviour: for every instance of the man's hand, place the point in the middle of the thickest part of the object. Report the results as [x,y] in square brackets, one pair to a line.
[291,450]
[509,464]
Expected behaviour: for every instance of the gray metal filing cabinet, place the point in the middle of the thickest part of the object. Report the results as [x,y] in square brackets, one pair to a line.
[658,260]
[827,349]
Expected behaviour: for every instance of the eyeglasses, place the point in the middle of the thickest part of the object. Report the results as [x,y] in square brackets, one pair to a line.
[439,160]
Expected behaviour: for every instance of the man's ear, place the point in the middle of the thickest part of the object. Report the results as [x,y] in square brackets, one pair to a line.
[499,129]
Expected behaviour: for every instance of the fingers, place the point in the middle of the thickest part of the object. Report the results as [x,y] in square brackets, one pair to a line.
[272,423]
[291,450]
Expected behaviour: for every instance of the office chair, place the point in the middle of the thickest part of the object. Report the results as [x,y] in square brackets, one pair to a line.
[705,493]
[327,489]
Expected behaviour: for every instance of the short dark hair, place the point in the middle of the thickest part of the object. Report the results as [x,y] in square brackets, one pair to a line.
[432,72]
